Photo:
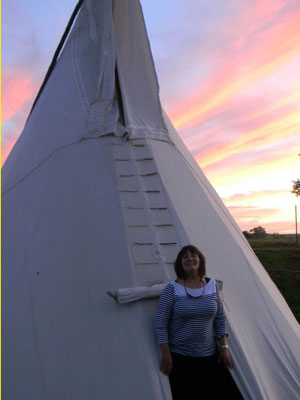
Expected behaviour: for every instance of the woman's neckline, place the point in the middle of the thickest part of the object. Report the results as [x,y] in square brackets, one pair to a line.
[187,287]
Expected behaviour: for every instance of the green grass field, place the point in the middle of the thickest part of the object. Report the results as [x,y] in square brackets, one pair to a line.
[281,258]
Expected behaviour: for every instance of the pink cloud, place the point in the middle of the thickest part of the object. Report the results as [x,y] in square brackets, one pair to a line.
[228,137]
[18,88]
[238,197]
[249,217]
[250,214]
[270,49]
[6,147]
[255,18]
[204,138]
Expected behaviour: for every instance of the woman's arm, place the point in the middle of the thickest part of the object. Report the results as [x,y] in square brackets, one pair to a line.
[163,316]
[221,329]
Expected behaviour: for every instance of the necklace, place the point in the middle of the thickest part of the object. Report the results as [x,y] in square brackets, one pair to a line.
[194,297]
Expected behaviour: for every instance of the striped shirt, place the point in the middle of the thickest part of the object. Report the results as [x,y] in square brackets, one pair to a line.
[190,325]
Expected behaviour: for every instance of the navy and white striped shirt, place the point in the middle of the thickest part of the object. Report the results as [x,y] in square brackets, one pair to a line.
[190,325]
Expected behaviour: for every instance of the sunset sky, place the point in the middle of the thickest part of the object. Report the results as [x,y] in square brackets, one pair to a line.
[229,75]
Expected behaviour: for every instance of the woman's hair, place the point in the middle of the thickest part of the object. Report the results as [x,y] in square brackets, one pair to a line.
[178,266]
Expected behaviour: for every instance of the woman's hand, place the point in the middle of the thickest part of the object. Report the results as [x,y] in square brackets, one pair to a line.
[166,364]
[225,357]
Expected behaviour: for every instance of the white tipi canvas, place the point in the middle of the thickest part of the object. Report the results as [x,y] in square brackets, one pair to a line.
[100,193]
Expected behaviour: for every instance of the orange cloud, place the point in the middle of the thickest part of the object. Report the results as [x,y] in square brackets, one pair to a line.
[274,169]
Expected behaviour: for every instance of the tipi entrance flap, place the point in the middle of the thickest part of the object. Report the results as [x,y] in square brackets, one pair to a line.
[94,65]
[142,108]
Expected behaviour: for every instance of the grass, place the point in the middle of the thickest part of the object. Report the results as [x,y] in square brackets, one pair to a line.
[281,258]
[276,241]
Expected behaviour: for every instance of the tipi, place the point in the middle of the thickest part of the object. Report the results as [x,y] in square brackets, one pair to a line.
[99,193]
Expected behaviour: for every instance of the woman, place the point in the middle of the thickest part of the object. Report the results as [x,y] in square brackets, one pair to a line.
[191,329]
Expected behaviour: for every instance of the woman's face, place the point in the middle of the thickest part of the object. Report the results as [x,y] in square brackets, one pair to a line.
[190,262]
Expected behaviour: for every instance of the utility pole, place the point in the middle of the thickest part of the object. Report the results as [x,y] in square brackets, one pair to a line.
[296,221]
[296,224]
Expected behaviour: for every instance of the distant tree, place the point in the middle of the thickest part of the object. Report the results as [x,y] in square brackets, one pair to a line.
[247,234]
[296,187]
[259,232]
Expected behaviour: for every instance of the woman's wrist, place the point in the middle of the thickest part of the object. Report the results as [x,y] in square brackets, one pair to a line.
[164,347]
[223,346]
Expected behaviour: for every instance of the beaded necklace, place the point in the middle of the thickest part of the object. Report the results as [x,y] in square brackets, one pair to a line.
[194,297]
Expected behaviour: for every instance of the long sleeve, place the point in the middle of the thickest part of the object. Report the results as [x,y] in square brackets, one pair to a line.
[220,325]
[163,315]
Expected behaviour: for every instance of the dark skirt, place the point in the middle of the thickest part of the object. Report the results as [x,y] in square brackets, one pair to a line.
[201,378]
